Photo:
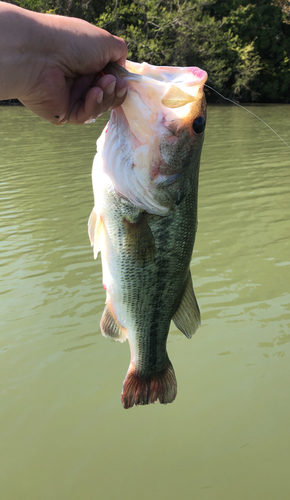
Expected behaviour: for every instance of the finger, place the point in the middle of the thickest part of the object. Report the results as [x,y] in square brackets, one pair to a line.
[89,109]
[103,93]
[96,104]
[122,60]
[110,49]
[117,90]
[114,93]
[79,88]
[114,90]
[103,81]
[120,93]
[86,49]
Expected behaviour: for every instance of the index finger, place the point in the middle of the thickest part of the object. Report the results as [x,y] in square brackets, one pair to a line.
[124,49]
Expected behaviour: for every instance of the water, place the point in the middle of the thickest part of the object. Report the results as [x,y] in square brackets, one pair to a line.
[63,431]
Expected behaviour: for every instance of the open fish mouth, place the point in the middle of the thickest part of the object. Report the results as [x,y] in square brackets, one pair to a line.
[147,131]
[137,71]
[177,94]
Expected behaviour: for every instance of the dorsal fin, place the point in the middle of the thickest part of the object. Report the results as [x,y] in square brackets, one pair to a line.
[187,316]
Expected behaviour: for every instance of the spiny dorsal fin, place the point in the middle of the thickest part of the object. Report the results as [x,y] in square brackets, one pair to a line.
[174,97]
[95,230]
[187,316]
[110,326]
[139,239]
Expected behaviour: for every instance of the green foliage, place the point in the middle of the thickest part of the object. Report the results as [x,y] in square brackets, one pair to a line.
[262,25]
[244,47]
[84,9]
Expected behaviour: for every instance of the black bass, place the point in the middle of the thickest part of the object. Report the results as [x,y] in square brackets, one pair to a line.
[145,182]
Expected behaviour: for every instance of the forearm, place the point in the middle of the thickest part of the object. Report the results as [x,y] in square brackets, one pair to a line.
[20,32]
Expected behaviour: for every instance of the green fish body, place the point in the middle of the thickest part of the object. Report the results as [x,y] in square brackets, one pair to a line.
[144,221]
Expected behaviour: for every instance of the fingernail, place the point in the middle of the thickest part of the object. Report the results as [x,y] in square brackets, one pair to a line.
[100,97]
[121,92]
[110,89]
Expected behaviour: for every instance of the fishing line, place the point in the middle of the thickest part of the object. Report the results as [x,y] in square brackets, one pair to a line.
[226,98]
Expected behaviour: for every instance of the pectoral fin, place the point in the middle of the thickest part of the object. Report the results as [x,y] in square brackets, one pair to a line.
[139,239]
[187,316]
[95,230]
[110,326]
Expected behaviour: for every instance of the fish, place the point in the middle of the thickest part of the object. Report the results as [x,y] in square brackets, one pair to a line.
[144,219]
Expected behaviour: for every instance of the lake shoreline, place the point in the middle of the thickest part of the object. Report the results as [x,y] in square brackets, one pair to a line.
[11,102]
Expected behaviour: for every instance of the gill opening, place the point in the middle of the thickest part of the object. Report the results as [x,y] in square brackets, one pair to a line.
[256,116]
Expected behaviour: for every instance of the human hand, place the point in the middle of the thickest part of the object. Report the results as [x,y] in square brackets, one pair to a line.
[55,65]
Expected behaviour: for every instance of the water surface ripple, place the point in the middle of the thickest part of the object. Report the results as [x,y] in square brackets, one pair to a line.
[63,431]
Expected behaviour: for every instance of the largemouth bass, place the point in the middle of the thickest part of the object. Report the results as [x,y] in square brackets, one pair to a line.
[145,182]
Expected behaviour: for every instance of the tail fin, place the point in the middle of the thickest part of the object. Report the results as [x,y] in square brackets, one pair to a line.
[142,390]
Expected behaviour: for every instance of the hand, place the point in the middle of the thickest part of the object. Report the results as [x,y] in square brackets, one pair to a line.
[54,65]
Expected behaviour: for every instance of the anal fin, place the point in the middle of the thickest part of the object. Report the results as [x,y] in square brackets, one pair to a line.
[187,316]
[110,326]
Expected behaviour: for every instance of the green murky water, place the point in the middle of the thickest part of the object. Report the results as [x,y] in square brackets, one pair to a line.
[63,431]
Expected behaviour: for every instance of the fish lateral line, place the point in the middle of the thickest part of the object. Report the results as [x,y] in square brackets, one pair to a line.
[256,116]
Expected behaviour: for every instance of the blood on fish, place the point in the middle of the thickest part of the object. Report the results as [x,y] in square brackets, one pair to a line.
[155,171]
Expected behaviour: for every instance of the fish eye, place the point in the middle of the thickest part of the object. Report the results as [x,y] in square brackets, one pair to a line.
[198,125]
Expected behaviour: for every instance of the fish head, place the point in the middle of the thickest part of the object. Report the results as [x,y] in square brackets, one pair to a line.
[152,145]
